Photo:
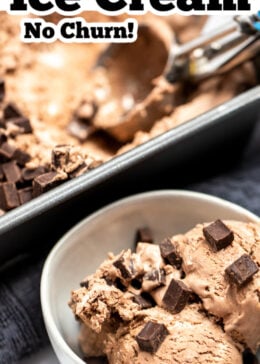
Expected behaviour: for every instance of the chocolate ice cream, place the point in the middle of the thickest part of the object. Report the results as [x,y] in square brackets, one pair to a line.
[191,338]
[192,298]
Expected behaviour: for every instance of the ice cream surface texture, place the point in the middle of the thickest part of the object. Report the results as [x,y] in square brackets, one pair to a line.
[193,298]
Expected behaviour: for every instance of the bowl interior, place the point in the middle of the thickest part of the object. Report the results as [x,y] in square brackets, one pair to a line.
[112,229]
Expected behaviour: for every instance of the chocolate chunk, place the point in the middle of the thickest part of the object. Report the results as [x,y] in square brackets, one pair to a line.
[125,266]
[153,279]
[170,254]
[249,357]
[151,336]
[60,156]
[143,235]
[2,90]
[12,172]
[144,301]
[242,270]
[137,282]
[194,298]
[22,123]
[30,173]
[84,284]
[96,360]
[80,130]
[218,235]
[8,196]
[119,285]
[3,137]
[6,152]
[12,111]
[21,157]
[25,195]
[46,182]
[176,296]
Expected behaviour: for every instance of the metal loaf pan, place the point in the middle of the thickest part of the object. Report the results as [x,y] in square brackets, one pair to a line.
[183,154]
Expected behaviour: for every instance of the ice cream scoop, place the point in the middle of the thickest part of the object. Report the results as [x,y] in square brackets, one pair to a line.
[128,89]
[143,80]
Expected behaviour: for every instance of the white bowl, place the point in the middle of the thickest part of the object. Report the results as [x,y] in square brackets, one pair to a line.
[84,247]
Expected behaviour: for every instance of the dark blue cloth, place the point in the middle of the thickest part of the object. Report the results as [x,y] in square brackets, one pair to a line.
[241,184]
[21,326]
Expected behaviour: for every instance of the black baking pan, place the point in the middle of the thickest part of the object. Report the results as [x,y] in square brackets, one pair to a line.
[187,152]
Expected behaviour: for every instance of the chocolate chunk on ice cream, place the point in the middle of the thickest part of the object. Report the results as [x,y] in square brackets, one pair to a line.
[169,253]
[218,235]
[242,270]
[144,235]
[151,336]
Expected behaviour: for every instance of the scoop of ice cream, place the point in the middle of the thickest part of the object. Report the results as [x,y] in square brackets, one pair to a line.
[238,306]
[209,94]
[192,338]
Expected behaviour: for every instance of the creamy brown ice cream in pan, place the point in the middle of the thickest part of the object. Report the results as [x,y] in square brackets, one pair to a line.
[66,108]
[192,298]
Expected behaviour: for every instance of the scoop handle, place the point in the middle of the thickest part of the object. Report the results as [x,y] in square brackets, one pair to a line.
[217,51]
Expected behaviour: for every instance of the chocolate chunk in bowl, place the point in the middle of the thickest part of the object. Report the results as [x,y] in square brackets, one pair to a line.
[242,270]
[218,235]
[176,296]
[169,252]
[144,234]
[151,336]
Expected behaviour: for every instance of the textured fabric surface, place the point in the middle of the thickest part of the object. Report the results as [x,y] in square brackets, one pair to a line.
[21,327]
[241,184]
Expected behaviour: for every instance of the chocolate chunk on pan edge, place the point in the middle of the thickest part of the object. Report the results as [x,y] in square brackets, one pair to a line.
[2,90]
[46,182]
[218,235]
[25,195]
[8,196]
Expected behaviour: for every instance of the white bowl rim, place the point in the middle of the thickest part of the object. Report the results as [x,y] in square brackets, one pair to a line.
[44,292]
